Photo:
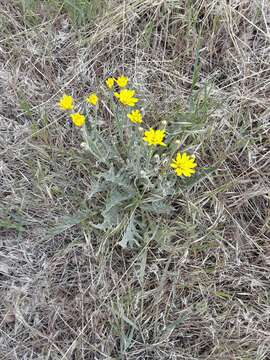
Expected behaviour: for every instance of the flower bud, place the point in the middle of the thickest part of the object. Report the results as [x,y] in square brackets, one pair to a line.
[164,122]
[83,145]
[142,173]
[177,142]
[165,161]
[156,157]
[141,129]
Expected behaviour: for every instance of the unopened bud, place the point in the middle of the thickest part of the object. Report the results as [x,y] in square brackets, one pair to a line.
[141,129]
[177,142]
[165,161]
[142,173]
[156,157]
[164,122]
[83,145]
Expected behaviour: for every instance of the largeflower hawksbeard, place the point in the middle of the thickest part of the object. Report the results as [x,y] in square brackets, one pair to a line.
[154,137]
[135,116]
[122,81]
[110,82]
[92,99]
[66,102]
[126,97]
[184,164]
[78,119]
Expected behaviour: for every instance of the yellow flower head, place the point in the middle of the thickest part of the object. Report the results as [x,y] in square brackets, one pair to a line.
[92,99]
[184,164]
[122,81]
[135,116]
[66,102]
[154,137]
[110,82]
[78,119]
[126,97]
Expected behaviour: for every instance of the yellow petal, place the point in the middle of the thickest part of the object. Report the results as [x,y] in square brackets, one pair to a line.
[179,172]
[187,172]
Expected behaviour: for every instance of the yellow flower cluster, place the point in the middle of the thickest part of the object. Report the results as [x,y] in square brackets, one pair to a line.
[125,96]
[66,104]
[183,164]
[121,81]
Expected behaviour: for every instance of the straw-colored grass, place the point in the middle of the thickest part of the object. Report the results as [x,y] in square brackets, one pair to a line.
[197,287]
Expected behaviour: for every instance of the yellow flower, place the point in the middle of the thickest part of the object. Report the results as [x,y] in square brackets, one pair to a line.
[154,137]
[184,164]
[66,102]
[110,82]
[78,119]
[92,99]
[135,116]
[122,81]
[126,97]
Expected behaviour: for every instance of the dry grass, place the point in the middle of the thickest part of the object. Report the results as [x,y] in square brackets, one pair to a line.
[199,286]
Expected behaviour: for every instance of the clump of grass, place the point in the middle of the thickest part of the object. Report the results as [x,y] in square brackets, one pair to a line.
[80,12]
